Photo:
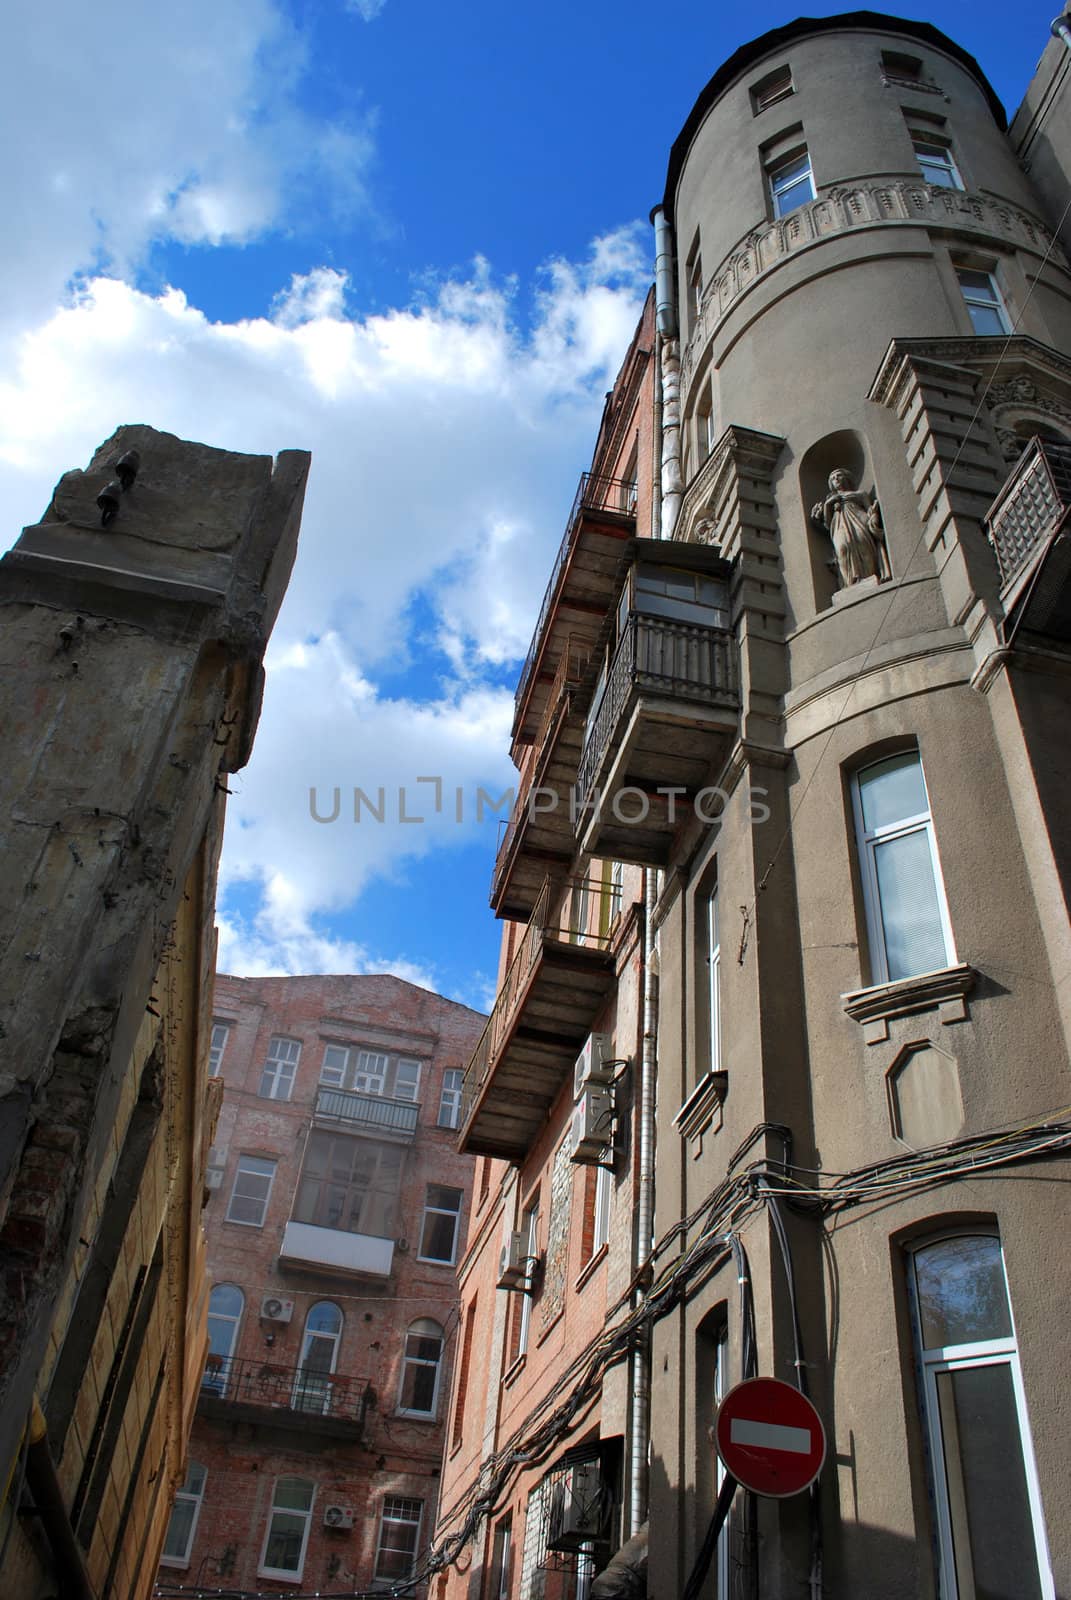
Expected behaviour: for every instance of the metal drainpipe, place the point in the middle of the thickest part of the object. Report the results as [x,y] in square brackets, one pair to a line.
[670,482]
[51,1506]
[641,1355]
[1061,29]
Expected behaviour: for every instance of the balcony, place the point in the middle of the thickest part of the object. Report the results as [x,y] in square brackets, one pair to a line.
[551,996]
[354,1112]
[539,835]
[291,1398]
[665,720]
[1027,528]
[581,588]
[307,1245]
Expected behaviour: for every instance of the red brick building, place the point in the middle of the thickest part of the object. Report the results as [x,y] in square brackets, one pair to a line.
[338,1205]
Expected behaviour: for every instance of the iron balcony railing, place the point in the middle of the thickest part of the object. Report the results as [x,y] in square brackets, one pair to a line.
[272,1387]
[361,1110]
[592,905]
[1030,506]
[595,493]
[683,659]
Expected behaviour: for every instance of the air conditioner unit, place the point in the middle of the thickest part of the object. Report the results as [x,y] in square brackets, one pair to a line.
[591,1131]
[272,1309]
[513,1263]
[337,1517]
[213,1177]
[593,1064]
[578,1506]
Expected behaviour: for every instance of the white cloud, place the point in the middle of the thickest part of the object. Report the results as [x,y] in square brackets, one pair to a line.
[368,9]
[447,440]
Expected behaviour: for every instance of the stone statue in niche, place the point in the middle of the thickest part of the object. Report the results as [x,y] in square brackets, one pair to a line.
[853,521]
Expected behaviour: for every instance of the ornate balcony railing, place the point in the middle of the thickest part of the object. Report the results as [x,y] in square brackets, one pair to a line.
[595,493]
[1030,507]
[663,657]
[368,1111]
[269,1386]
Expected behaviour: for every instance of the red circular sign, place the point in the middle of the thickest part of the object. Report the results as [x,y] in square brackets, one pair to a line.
[770,1437]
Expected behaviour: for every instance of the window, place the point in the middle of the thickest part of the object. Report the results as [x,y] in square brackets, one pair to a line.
[225,1305]
[898,68]
[704,425]
[277,1079]
[450,1098]
[769,90]
[420,1369]
[721,1389]
[498,1586]
[252,1186]
[178,1541]
[399,1535]
[695,289]
[686,596]
[791,183]
[713,937]
[319,1357]
[523,1315]
[371,1074]
[603,1190]
[984,303]
[283,1555]
[463,1375]
[438,1234]
[989,1516]
[333,1066]
[907,918]
[220,1035]
[350,1184]
[406,1080]
[936,163]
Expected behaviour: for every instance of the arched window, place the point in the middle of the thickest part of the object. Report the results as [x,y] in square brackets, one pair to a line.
[319,1357]
[420,1369]
[287,1537]
[225,1305]
[991,1531]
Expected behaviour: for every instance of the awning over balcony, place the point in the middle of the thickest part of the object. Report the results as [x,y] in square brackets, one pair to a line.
[552,994]
[1027,526]
[582,585]
[306,1245]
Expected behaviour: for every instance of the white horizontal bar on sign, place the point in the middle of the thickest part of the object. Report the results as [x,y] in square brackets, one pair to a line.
[771,1435]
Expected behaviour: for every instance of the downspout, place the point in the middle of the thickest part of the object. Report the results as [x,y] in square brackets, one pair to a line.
[48,1499]
[1060,29]
[641,1355]
[666,315]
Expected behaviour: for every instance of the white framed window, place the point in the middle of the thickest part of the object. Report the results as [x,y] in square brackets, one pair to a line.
[450,1098]
[530,1229]
[182,1528]
[695,288]
[601,1222]
[252,1189]
[906,913]
[990,1524]
[791,183]
[370,1074]
[713,936]
[319,1357]
[287,1538]
[406,1079]
[438,1230]
[936,162]
[220,1035]
[333,1067]
[500,1560]
[277,1078]
[225,1305]
[985,304]
[399,1537]
[421,1364]
[722,1386]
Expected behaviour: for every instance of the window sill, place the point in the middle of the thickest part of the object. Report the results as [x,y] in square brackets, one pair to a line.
[513,1373]
[416,1416]
[944,991]
[702,1111]
[278,1577]
[548,1327]
[589,1268]
[433,1261]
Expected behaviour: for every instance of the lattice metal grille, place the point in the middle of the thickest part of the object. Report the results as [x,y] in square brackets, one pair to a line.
[1030,506]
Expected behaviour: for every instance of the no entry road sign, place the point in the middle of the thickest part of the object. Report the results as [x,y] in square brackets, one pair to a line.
[770,1437]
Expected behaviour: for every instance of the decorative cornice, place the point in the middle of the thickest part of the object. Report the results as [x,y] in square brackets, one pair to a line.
[847,208]
[981,358]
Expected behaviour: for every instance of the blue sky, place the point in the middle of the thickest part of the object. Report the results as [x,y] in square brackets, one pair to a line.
[411,238]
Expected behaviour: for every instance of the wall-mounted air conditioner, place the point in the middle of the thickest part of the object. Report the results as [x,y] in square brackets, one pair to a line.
[272,1309]
[594,1063]
[591,1133]
[578,1507]
[513,1263]
[337,1517]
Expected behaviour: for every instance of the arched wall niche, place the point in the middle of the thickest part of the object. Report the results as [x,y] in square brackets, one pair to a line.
[847,449]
